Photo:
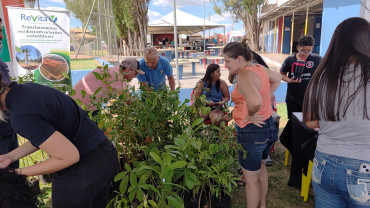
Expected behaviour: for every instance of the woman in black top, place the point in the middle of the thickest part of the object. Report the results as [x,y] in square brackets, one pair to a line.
[83,159]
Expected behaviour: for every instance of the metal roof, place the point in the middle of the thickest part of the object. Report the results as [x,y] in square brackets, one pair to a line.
[299,7]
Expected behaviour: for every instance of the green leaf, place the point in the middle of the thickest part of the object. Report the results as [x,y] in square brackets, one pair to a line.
[133,179]
[119,176]
[73,92]
[98,76]
[213,148]
[139,194]
[189,181]
[66,75]
[97,91]
[123,185]
[83,93]
[128,167]
[176,165]
[197,122]
[156,157]
[131,195]
[153,203]
[196,144]
[78,101]
[175,202]
[18,49]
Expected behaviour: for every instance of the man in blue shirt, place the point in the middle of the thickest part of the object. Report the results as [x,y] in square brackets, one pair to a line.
[8,139]
[156,68]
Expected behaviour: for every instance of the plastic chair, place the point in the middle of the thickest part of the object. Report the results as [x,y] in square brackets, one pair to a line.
[306,182]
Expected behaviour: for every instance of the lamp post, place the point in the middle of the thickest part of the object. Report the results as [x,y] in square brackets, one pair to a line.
[175,37]
[204,26]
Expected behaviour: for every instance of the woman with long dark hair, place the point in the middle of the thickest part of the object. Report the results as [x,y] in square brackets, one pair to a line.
[81,157]
[255,126]
[216,92]
[336,101]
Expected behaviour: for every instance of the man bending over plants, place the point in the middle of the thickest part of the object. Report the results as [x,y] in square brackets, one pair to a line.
[93,85]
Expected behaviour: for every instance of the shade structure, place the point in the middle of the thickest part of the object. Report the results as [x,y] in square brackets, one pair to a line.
[186,24]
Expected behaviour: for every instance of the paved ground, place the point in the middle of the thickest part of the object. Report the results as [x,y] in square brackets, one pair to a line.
[274,61]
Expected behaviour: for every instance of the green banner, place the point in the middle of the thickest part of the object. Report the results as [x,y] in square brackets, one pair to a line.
[5,55]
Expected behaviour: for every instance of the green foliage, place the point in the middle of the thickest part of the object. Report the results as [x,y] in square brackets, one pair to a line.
[246,11]
[236,6]
[167,150]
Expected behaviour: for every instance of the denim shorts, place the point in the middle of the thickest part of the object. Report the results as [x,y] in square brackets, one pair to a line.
[257,142]
[338,183]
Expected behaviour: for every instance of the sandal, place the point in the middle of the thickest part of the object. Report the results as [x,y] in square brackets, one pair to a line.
[240,183]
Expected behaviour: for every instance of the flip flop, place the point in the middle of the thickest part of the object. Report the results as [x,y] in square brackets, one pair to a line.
[240,183]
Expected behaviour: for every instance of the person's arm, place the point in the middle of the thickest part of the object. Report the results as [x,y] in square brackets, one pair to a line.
[197,90]
[26,149]
[274,78]
[62,154]
[225,92]
[172,83]
[285,69]
[312,124]
[143,80]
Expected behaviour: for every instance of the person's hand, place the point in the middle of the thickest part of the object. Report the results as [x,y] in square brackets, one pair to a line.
[210,103]
[5,161]
[293,80]
[219,103]
[255,119]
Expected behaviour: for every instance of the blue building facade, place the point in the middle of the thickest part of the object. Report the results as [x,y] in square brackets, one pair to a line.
[286,20]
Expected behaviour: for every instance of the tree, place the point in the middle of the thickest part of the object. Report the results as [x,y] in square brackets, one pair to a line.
[131,17]
[246,11]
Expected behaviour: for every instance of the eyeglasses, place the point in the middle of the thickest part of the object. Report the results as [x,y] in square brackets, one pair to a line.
[305,52]
[151,52]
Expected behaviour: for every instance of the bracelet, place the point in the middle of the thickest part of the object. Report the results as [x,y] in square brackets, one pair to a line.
[19,171]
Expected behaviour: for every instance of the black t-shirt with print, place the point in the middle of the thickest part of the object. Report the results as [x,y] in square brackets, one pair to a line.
[37,111]
[296,91]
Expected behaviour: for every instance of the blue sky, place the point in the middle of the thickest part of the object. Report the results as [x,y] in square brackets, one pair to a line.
[160,8]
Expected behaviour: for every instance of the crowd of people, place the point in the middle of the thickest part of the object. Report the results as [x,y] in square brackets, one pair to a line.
[331,92]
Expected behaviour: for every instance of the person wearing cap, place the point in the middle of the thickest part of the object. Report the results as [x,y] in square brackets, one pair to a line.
[128,69]
[156,68]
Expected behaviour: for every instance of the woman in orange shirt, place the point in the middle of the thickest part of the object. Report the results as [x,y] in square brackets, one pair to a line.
[255,126]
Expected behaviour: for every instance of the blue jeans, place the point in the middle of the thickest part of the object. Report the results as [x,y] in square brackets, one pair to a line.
[337,182]
[257,142]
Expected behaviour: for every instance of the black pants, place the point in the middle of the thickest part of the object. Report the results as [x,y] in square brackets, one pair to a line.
[86,184]
[294,106]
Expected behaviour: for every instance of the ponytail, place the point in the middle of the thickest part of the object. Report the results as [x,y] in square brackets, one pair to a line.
[236,49]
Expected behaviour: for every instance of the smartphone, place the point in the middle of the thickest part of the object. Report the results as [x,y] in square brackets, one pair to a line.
[364,168]
[298,70]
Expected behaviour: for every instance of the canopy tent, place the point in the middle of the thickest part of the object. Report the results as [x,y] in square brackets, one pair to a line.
[186,24]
